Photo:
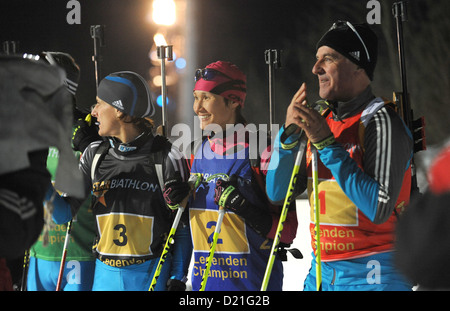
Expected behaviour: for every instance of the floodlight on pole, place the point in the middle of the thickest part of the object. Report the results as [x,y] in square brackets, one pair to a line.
[164,12]
[164,52]
[159,39]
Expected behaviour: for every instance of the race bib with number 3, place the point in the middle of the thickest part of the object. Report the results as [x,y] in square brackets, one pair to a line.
[124,234]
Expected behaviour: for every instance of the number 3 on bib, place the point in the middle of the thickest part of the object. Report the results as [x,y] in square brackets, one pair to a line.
[125,234]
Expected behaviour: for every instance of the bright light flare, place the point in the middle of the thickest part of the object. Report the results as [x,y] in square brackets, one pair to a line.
[164,12]
[159,39]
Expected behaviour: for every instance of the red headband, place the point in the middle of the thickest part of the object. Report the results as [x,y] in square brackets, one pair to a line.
[234,90]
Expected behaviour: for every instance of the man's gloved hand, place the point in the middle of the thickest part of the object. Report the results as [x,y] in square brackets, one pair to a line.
[85,132]
[175,190]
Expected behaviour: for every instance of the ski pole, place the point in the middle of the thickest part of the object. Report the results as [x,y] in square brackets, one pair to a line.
[97,34]
[194,181]
[212,249]
[287,202]
[63,257]
[315,177]
[164,52]
[290,195]
[26,262]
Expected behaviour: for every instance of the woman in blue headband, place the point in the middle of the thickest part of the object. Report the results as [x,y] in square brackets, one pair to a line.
[122,173]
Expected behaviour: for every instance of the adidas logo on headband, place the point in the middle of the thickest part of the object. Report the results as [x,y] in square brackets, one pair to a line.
[118,104]
[356,55]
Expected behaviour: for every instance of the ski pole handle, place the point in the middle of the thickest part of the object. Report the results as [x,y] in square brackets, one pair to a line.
[194,181]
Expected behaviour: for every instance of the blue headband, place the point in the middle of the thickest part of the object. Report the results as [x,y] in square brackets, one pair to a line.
[127,92]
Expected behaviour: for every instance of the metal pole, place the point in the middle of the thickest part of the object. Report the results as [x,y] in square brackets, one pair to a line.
[97,34]
[273,60]
[164,52]
[399,12]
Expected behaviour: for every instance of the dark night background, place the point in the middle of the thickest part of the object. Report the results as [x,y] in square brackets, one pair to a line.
[240,31]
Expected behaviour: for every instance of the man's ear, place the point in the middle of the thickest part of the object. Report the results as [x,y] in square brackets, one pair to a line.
[361,72]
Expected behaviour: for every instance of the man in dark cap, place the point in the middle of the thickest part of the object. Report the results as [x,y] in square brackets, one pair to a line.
[364,152]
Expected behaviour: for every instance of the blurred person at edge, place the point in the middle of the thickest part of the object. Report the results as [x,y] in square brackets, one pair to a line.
[35,114]
[46,253]
[423,234]
[364,151]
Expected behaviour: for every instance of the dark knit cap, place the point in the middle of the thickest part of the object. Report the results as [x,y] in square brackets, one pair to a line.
[356,42]
[128,92]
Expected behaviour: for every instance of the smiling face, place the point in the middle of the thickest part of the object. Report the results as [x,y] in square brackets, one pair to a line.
[212,109]
[337,75]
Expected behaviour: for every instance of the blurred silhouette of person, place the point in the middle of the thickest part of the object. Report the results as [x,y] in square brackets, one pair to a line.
[423,232]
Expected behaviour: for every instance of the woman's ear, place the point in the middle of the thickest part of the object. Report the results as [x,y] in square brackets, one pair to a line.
[118,114]
[234,104]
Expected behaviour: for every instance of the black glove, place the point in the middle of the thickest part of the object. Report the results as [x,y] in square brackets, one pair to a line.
[228,195]
[175,285]
[85,132]
[175,190]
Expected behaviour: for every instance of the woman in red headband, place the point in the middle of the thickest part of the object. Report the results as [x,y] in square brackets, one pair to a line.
[234,178]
